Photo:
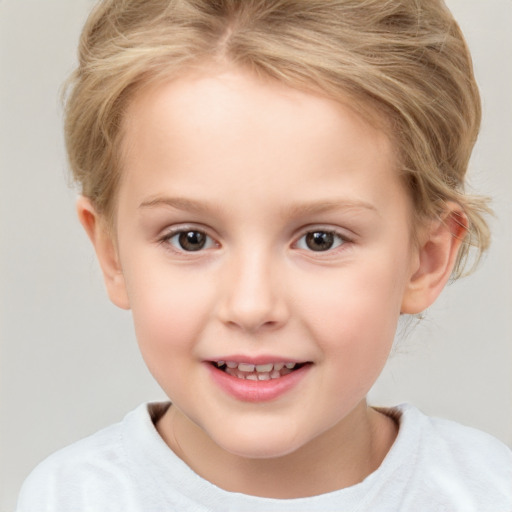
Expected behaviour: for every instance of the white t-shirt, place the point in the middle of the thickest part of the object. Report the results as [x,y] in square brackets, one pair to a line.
[434,466]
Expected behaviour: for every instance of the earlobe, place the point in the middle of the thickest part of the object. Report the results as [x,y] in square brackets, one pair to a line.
[106,251]
[436,257]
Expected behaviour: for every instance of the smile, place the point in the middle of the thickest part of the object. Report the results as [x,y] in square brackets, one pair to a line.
[257,381]
[257,372]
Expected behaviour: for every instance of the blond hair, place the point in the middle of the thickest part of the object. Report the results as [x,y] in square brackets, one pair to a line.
[404,59]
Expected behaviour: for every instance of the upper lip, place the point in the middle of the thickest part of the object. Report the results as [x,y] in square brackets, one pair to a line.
[257,360]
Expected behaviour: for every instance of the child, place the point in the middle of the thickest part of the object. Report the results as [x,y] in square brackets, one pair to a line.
[269,185]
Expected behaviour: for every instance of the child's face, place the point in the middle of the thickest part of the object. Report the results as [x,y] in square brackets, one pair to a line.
[258,224]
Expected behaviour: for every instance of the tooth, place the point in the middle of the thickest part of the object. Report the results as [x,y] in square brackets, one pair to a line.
[244,367]
[290,366]
[231,364]
[265,368]
[252,376]
[220,363]
[275,374]
[278,366]
[264,376]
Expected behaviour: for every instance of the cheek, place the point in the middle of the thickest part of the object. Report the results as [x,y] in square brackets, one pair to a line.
[169,310]
[355,314]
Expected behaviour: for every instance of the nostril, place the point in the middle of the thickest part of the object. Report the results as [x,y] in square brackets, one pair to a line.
[251,299]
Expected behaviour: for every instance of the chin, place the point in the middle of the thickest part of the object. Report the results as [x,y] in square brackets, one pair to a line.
[260,443]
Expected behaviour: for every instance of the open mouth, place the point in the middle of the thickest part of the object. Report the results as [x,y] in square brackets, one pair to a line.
[257,372]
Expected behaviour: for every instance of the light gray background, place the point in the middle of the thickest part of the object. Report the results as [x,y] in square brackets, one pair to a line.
[69,362]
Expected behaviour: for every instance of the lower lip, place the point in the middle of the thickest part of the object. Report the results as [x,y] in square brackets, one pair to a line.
[257,390]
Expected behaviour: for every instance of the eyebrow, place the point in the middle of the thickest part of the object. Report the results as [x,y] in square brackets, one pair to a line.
[180,203]
[327,205]
[301,209]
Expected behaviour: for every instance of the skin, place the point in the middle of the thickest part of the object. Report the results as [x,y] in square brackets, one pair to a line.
[255,166]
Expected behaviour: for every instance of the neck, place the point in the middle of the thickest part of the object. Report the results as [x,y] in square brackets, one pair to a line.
[340,457]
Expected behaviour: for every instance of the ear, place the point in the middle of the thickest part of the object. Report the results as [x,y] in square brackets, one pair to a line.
[106,251]
[437,252]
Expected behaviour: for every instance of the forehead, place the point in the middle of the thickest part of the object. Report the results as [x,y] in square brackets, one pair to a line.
[228,128]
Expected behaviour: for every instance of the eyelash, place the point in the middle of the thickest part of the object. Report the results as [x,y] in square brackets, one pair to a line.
[333,236]
[184,231]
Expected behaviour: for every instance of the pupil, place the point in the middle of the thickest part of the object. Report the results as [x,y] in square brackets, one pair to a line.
[319,241]
[192,240]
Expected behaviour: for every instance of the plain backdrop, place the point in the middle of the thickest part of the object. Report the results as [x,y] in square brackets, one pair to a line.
[69,361]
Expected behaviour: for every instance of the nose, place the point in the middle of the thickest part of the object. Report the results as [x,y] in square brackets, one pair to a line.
[253,294]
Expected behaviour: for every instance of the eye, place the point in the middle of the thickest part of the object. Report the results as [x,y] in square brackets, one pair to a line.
[190,240]
[320,241]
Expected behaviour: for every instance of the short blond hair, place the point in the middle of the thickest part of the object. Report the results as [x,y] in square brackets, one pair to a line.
[404,59]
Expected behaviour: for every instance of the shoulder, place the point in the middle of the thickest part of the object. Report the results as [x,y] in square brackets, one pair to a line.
[457,461]
[468,446]
[81,473]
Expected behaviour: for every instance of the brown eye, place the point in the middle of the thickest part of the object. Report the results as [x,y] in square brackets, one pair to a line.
[190,241]
[320,241]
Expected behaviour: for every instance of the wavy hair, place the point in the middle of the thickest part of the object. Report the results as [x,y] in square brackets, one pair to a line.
[405,60]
